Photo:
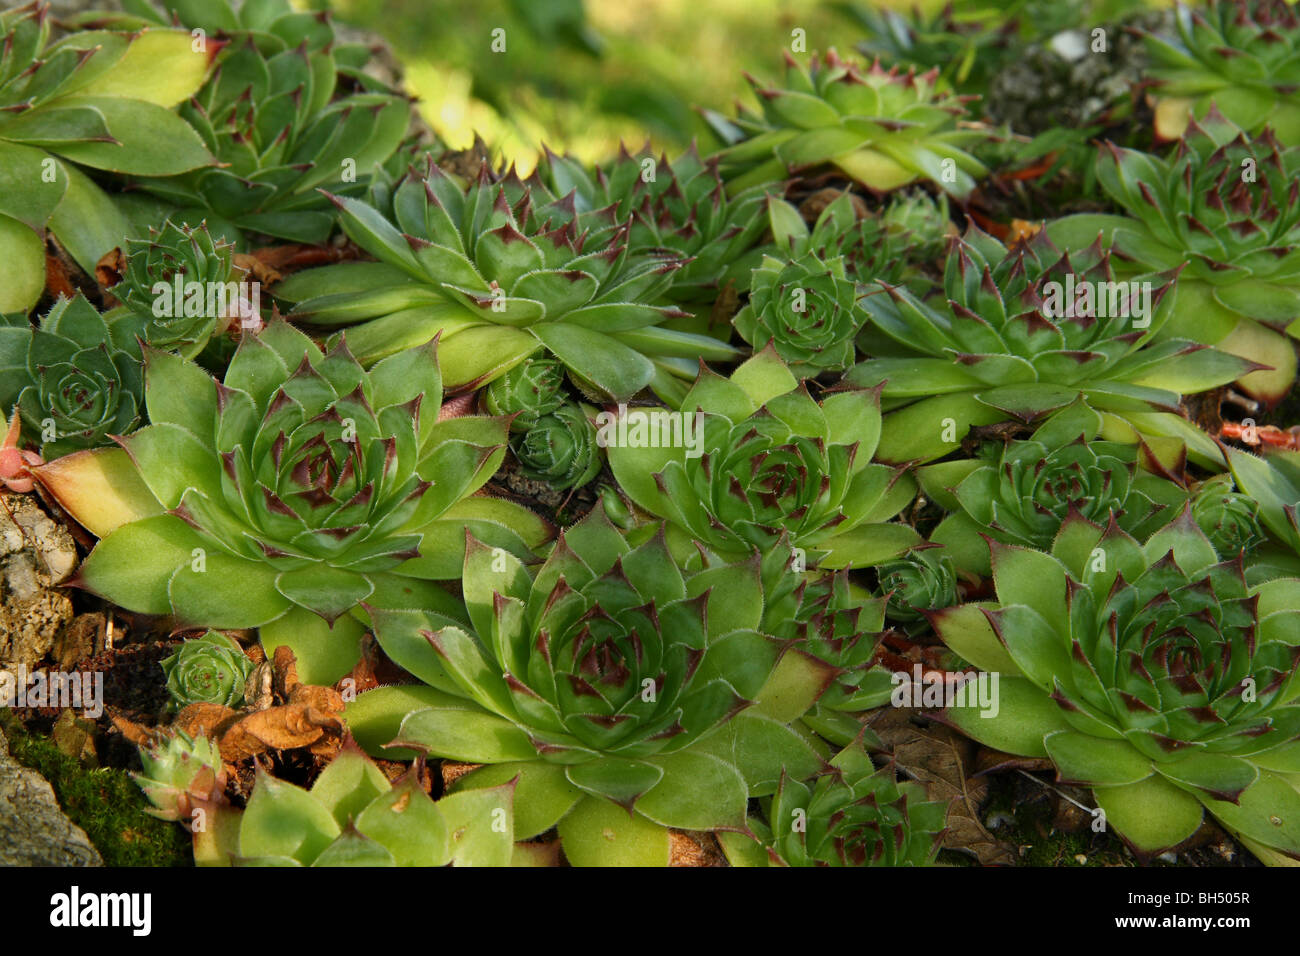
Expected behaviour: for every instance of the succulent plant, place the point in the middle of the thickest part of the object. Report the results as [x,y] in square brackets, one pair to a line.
[286,495]
[1237,55]
[851,814]
[965,41]
[1272,485]
[532,389]
[1152,673]
[287,111]
[881,128]
[179,773]
[76,379]
[888,245]
[807,309]
[625,695]
[91,100]
[760,456]
[502,270]
[560,448]
[1228,208]
[1025,332]
[211,669]
[353,816]
[916,583]
[834,621]
[1023,493]
[682,206]
[1229,518]
[182,288]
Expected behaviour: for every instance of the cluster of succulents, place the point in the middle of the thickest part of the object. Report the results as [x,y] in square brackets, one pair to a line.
[1150,672]
[93,100]
[504,269]
[811,401]
[882,128]
[1223,207]
[1031,329]
[288,110]
[1238,56]
[681,205]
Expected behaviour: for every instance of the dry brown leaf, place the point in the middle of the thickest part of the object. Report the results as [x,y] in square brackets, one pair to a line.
[939,758]
[280,728]
[286,672]
[256,268]
[1023,229]
[137,734]
[815,204]
[204,719]
[109,268]
[306,716]
[258,691]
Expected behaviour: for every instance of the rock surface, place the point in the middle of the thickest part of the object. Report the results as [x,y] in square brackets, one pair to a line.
[33,830]
[36,553]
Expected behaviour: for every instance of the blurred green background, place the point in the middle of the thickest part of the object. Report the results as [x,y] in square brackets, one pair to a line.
[581,76]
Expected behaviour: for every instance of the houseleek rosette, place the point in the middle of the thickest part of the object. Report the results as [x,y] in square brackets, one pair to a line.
[768,458]
[154,284]
[1225,208]
[530,390]
[503,270]
[849,815]
[211,669]
[560,448]
[290,493]
[886,245]
[1237,55]
[1230,519]
[76,378]
[91,100]
[178,773]
[882,128]
[916,583]
[288,110]
[806,308]
[1152,673]
[680,205]
[1022,491]
[1002,344]
[623,694]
